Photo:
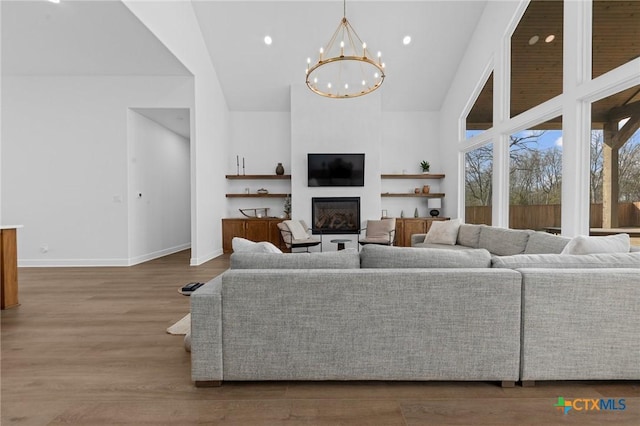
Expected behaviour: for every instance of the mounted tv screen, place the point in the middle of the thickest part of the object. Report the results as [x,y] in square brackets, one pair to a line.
[335,169]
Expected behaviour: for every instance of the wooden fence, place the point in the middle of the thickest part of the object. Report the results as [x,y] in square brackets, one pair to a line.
[542,216]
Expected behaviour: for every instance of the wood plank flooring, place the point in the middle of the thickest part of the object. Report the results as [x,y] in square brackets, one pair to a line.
[88,346]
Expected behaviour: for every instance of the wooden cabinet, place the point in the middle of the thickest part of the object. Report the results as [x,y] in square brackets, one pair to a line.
[8,267]
[258,229]
[405,227]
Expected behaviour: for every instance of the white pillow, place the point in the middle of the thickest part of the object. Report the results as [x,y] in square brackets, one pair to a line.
[297,230]
[242,245]
[581,244]
[443,232]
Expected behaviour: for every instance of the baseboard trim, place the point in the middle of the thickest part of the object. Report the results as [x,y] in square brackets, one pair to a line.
[70,263]
[197,261]
[156,254]
[87,263]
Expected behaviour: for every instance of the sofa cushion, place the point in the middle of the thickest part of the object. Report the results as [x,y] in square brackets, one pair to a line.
[343,259]
[242,245]
[503,242]
[469,235]
[619,243]
[373,256]
[443,232]
[442,246]
[543,242]
[555,261]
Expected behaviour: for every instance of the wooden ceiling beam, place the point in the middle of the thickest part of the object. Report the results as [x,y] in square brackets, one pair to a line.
[625,132]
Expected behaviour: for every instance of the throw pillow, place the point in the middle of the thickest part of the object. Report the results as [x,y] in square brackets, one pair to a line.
[581,244]
[297,230]
[242,245]
[443,232]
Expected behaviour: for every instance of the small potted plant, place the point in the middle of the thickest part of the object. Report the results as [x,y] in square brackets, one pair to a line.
[425,166]
[287,207]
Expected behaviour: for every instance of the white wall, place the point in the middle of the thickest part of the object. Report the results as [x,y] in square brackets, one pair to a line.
[407,139]
[262,139]
[320,125]
[159,190]
[175,25]
[64,168]
[265,138]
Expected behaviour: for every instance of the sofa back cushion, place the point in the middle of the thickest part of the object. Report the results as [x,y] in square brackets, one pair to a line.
[374,256]
[343,259]
[568,261]
[504,242]
[543,242]
[619,243]
[469,235]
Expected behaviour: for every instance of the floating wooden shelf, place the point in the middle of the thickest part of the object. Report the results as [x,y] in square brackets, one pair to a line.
[409,194]
[413,176]
[245,177]
[257,195]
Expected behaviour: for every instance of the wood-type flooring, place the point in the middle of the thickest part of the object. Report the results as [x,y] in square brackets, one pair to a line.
[88,346]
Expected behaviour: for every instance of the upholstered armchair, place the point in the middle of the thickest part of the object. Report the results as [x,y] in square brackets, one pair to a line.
[295,233]
[381,232]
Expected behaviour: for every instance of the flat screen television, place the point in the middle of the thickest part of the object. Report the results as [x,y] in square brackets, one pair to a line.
[335,169]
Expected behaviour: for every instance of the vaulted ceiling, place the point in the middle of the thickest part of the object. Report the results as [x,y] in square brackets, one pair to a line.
[104,38]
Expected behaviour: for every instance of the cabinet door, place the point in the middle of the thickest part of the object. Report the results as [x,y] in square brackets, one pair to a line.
[400,242]
[231,228]
[257,230]
[274,234]
[414,226]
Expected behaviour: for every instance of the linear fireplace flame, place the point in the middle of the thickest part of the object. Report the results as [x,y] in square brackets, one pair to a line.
[335,215]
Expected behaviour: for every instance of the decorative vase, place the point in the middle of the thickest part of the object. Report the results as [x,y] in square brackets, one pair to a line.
[401,213]
[279,169]
[426,189]
[417,190]
[415,213]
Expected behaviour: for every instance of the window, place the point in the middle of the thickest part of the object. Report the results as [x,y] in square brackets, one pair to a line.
[616,34]
[615,160]
[480,117]
[536,56]
[479,184]
[535,177]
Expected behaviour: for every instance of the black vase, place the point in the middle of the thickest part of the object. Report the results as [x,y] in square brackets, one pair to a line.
[279,169]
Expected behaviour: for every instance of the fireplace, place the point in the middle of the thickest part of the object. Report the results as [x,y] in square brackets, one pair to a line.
[335,215]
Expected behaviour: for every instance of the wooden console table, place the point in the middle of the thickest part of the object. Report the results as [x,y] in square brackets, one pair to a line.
[9,264]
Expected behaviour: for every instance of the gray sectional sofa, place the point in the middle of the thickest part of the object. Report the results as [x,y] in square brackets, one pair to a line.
[391,313]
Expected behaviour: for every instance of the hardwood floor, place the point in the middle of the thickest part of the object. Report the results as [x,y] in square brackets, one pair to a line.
[88,346]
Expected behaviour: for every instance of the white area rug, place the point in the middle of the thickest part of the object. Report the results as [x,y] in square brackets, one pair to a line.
[182,327]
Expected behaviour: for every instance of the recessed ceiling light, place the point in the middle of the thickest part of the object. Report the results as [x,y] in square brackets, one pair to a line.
[549,38]
[267,40]
[54,1]
[406,40]
[533,40]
